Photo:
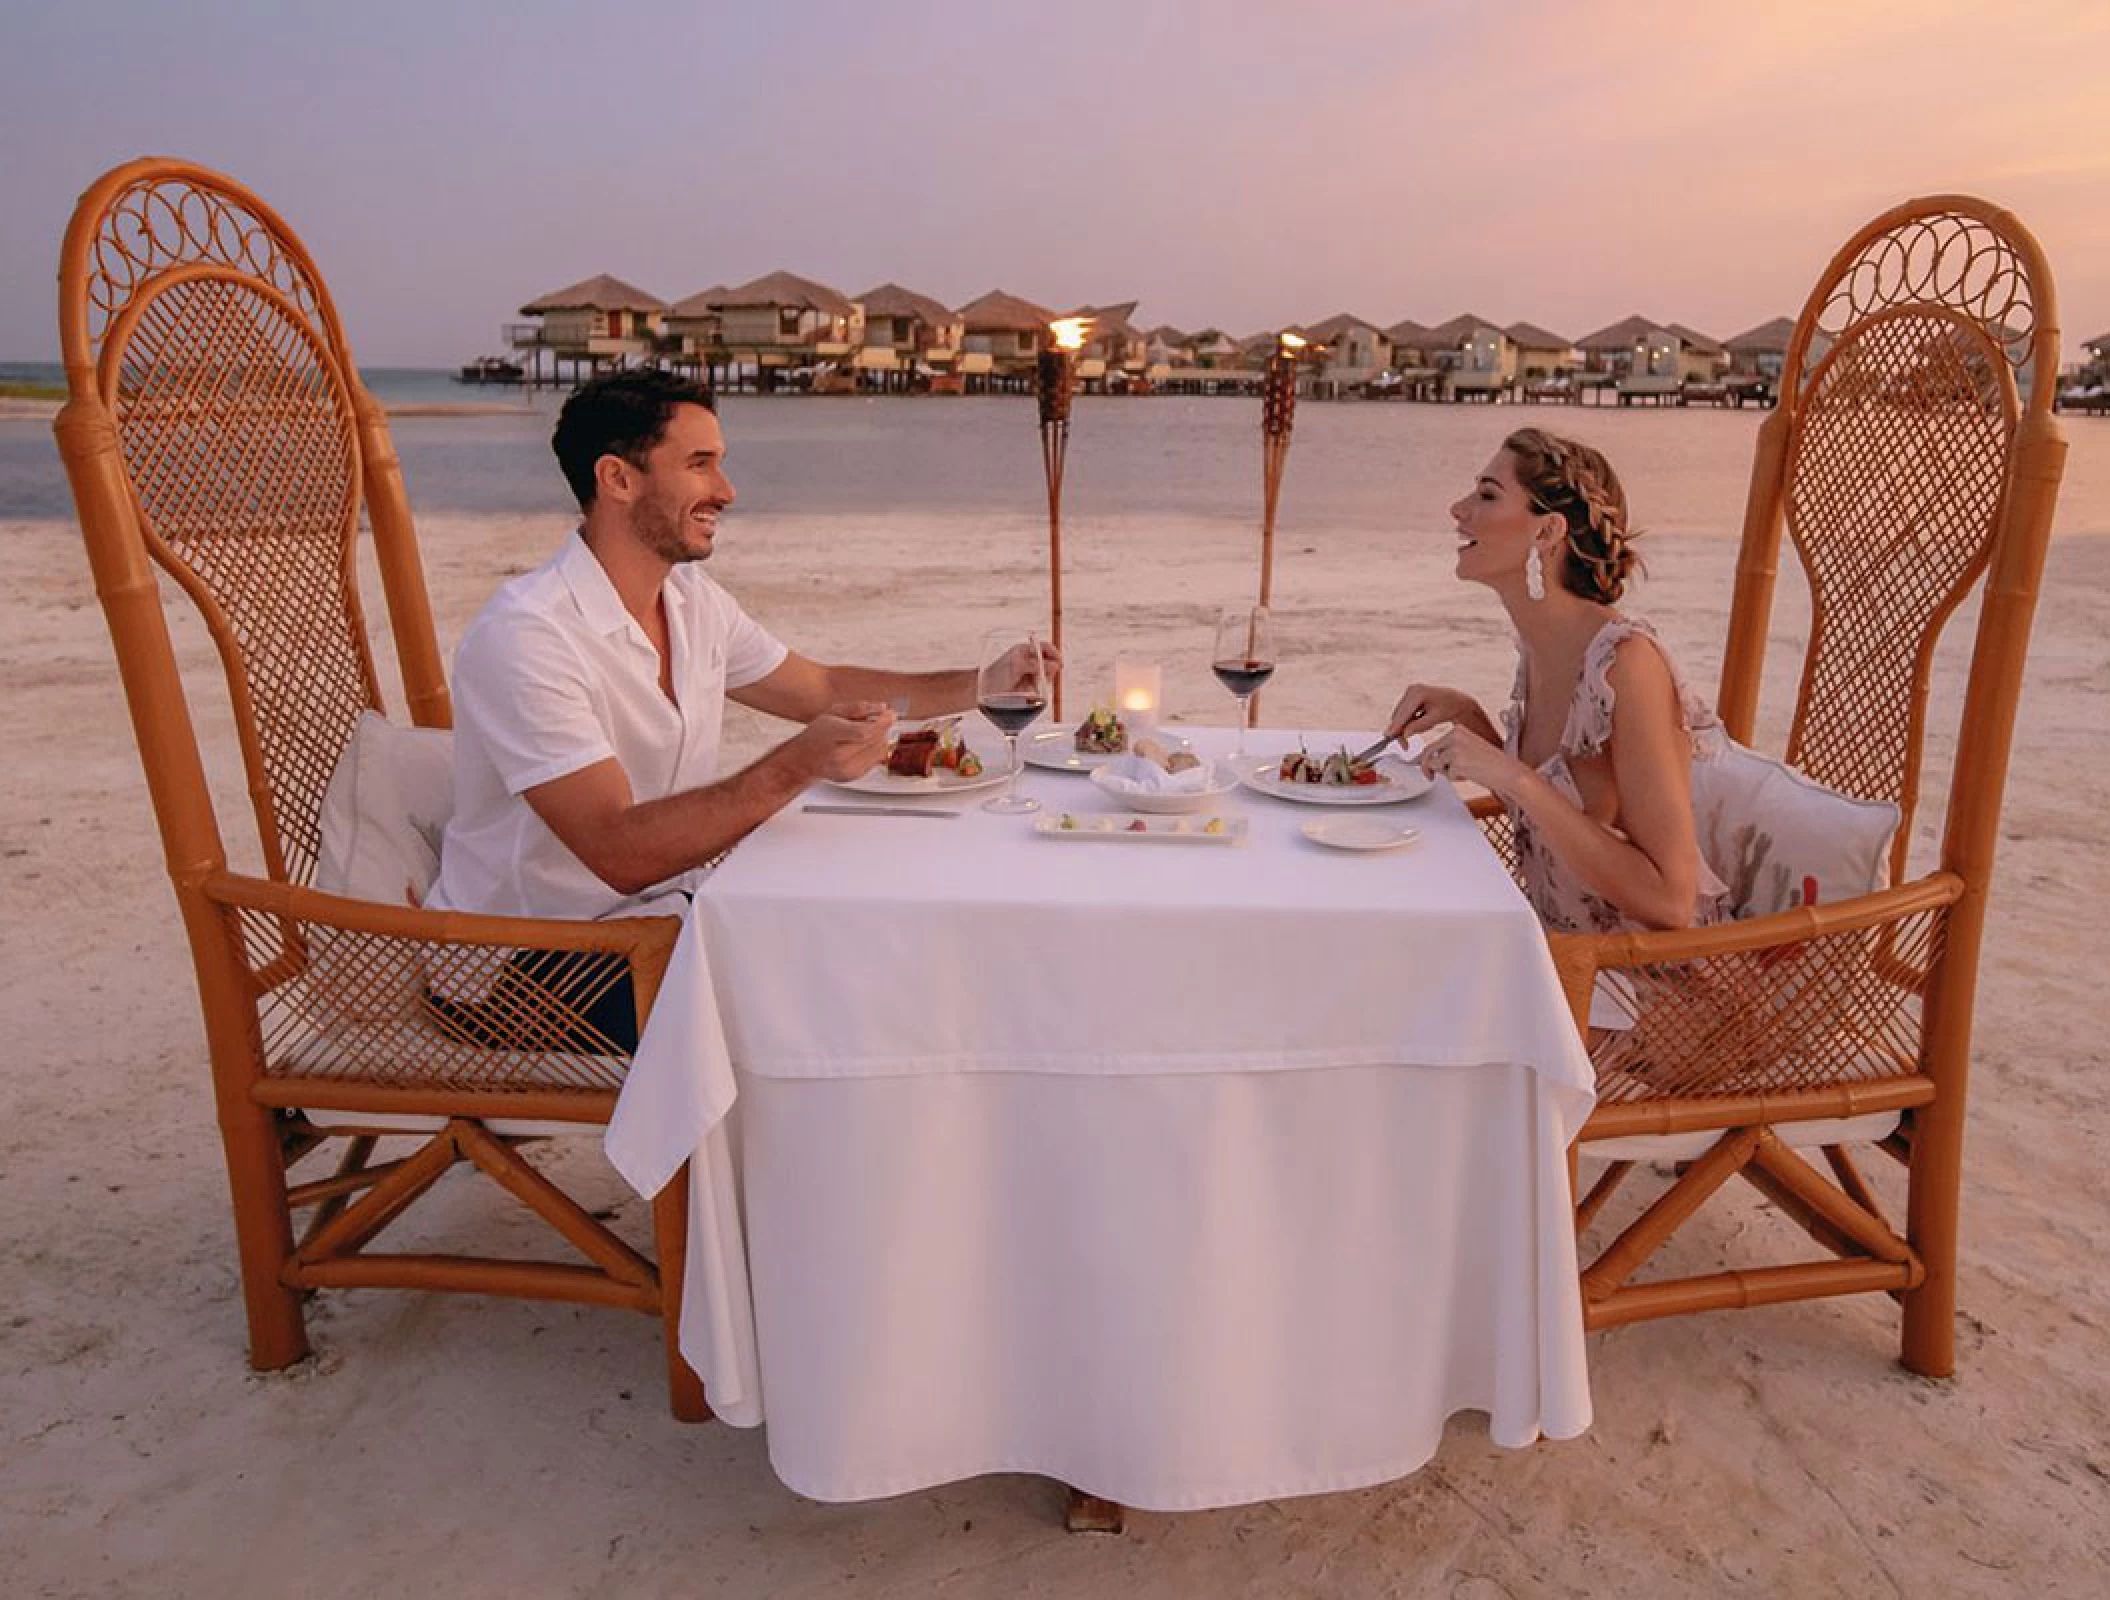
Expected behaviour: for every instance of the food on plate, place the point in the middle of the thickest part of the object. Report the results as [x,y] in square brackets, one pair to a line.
[1101,733]
[1213,825]
[1139,826]
[920,752]
[1339,769]
[1171,760]
[914,754]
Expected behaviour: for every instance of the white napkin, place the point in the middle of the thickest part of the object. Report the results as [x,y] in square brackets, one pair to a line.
[1141,775]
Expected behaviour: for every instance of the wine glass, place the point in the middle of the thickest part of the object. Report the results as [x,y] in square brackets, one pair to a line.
[1011,689]
[1244,658]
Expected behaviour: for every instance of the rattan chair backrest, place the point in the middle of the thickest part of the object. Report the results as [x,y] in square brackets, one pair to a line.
[1893,461]
[195,323]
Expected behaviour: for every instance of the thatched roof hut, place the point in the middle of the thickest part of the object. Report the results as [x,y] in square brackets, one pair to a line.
[891,300]
[1530,336]
[1767,339]
[786,289]
[998,312]
[1620,336]
[601,292]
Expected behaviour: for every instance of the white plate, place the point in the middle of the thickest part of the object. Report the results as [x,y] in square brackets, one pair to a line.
[1161,830]
[1403,781]
[881,781]
[1169,802]
[1358,833]
[1056,749]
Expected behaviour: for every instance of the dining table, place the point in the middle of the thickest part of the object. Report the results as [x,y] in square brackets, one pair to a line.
[1191,1164]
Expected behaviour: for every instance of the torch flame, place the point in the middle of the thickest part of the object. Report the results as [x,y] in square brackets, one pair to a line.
[1291,343]
[1069,332]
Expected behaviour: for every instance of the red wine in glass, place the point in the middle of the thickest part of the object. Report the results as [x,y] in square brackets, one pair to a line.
[1242,678]
[1012,713]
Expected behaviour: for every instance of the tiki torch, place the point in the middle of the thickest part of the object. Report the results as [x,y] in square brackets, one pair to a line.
[1278,409]
[1057,374]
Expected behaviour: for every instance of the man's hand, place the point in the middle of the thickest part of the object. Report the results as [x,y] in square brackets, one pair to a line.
[845,741]
[1018,664]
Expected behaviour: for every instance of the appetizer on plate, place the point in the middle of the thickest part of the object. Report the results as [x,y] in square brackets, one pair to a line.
[1101,733]
[1339,769]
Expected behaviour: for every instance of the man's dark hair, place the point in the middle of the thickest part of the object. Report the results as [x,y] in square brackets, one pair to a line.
[623,414]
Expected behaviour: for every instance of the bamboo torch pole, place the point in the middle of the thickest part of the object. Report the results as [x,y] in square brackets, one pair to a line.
[1057,371]
[1278,409]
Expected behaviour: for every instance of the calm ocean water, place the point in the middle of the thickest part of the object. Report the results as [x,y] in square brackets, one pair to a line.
[1353,464]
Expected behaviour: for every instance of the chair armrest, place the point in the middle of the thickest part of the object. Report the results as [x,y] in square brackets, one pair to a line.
[407,997]
[637,937]
[1605,951]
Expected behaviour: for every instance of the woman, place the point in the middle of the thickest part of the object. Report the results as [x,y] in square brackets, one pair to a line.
[1593,759]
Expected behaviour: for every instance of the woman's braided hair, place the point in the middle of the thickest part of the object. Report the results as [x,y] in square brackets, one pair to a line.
[1575,482]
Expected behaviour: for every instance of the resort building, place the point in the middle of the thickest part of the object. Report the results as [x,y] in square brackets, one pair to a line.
[1353,351]
[598,322]
[1477,354]
[694,328]
[1541,355]
[1003,334]
[904,330]
[1115,350]
[1651,361]
[1414,351]
[1760,352]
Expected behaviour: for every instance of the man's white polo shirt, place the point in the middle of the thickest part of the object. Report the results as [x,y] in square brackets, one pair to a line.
[553,676]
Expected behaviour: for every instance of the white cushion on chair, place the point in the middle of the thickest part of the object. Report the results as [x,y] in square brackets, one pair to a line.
[1773,835]
[384,810]
[1691,1146]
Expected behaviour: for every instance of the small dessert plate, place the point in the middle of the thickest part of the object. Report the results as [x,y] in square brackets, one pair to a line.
[1358,833]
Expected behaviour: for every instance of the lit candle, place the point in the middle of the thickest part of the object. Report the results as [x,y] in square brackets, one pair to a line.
[1137,689]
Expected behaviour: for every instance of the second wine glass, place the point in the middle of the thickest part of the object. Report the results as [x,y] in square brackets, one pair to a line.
[1244,658]
[1011,690]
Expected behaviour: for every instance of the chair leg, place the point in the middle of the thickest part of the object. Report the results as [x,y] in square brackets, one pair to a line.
[670,1231]
[1087,1513]
[1929,1344]
[263,1228]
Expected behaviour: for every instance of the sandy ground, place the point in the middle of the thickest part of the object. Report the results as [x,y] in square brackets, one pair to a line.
[486,1447]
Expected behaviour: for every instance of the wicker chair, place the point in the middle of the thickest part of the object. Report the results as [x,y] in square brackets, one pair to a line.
[216,426]
[1906,463]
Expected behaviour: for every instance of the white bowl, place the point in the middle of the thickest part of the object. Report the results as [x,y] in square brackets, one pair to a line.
[1223,778]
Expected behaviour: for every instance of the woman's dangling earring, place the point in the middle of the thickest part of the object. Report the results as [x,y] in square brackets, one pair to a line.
[1535,575]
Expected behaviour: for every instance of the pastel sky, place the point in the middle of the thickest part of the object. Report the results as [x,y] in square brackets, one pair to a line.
[1244,165]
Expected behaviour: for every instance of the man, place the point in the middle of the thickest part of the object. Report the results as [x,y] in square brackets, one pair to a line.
[589,693]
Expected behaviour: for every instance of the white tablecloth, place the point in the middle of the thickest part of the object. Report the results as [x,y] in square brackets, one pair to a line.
[1190,1175]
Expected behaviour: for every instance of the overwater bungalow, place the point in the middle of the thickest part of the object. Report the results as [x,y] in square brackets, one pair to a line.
[781,323]
[1003,335]
[1414,364]
[1115,351]
[1353,353]
[1649,362]
[1756,357]
[906,331]
[2088,389]
[1542,357]
[1477,355]
[695,332]
[596,323]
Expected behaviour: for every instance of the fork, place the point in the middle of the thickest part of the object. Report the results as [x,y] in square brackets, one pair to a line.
[1422,740]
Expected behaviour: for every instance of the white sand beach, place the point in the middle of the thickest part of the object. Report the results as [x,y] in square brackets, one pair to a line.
[486,1447]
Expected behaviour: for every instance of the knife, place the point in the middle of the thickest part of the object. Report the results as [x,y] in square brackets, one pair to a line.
[879,811]
[1422,740]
